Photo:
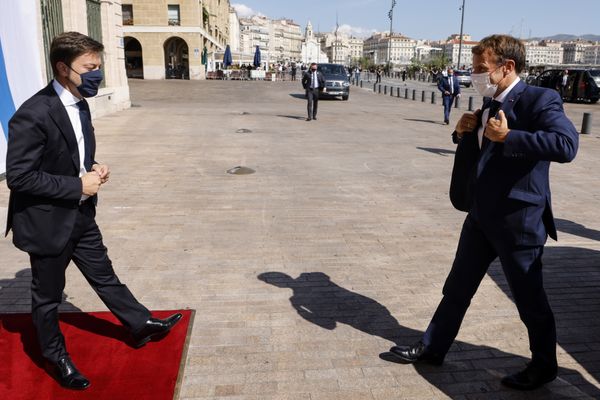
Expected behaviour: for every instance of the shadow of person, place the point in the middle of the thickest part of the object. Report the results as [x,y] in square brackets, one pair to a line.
[468,368]
[292,117]
[439,152]
[429,121]
[573,228]
[298,95]
[572,280]
[320,301]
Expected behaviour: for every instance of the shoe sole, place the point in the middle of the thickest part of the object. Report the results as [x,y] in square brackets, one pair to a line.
[158,335]
[398,359]
[526,388]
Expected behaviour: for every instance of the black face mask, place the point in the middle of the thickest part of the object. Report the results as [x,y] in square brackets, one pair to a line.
[90,82]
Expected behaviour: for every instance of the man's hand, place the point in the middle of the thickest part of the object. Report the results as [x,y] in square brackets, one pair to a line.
[467,123]
[102,170]
[90,183]
[497,129]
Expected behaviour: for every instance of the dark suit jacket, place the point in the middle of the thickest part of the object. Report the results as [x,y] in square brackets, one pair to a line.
[42,173]
[444,85]
[506,185]
[307,77]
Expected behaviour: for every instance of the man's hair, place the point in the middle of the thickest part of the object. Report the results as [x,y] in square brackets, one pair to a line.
[504,47]
[67,46]
[311,64]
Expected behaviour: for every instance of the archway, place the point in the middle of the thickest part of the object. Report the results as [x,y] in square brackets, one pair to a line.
[176,59]
[134,62]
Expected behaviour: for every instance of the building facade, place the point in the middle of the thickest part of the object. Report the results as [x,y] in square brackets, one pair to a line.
[574,51]
[173,39]
[100,20]
[397,48]
[543,53]
[311,48]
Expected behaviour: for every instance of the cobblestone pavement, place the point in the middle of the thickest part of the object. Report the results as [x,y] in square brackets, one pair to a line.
[335,249]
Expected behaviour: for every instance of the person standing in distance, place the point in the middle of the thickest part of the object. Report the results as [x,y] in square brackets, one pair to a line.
[313,82]
[54,182]
[450,89]
[504,154]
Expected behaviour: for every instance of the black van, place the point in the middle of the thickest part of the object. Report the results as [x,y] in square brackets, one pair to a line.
[582,84]
[337,80]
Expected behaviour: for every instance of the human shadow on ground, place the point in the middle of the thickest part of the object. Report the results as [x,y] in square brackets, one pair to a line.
[299,96]
[572,282]
[292,117]
[429,121]
[574,228]
[439,152]
[468,369]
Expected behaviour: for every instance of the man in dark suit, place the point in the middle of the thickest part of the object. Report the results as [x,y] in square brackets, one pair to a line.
[450,89]
[313,82]
[54,180]
[520,130]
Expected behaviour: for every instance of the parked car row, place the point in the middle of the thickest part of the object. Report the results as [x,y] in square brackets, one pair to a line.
[582,84]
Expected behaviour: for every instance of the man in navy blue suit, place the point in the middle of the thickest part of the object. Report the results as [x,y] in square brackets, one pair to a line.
[450,89]
[500,178]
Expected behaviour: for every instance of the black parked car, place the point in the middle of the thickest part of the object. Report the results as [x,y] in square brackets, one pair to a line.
[582,84]
[337,82]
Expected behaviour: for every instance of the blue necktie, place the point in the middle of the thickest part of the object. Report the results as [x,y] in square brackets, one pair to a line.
[86,127]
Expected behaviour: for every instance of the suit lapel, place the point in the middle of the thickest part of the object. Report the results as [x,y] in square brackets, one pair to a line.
[507,106]
[60,117]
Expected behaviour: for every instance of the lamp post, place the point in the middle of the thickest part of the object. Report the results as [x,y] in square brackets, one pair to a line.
[391,17]
[460,39]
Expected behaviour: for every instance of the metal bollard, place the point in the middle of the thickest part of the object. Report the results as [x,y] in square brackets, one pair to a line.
[406,93]
[432,97]
[391,91]
[398,93]
[414,96]
[361,83]
[470,103]
[456,102]
[380,88]
[423,96]
[586,126]
[385,89]
[375,87]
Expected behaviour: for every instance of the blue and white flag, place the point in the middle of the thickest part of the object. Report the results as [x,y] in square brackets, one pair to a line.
[20,66]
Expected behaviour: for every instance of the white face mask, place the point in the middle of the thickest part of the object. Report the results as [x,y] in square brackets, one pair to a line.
[483,85]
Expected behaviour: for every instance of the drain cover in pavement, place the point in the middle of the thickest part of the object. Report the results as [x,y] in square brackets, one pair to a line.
[240,171]
[243,130]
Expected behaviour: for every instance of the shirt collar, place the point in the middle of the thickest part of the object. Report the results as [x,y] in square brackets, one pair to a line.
[64,95]
[500,98]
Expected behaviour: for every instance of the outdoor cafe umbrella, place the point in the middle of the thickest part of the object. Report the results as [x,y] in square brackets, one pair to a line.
[205,58]
[257,57]
[227,60]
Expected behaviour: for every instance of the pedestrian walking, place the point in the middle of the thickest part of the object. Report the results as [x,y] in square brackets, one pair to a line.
[313,83]
[501,178]
[54,182]
[450,89]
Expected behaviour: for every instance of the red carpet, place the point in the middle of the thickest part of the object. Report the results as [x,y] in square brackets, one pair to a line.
[99,346]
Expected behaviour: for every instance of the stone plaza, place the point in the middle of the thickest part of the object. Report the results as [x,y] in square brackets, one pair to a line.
[333,250]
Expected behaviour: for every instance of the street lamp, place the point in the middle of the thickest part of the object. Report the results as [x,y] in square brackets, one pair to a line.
[391,17]
[460,39]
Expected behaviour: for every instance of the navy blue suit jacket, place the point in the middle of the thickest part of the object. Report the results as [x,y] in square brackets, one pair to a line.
[507,184]
[444,85]
[42,173]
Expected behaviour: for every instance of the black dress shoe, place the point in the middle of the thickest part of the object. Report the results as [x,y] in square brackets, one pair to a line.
[315,118]
[308,119]
[530,378]
[68,376]
[412,354]
[154,329]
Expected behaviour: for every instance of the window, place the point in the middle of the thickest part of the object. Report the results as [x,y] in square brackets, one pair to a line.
[174,19]
[52,25]
[127,14]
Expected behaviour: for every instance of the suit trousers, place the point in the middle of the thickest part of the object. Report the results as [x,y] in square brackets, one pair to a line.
[313,102]
[447,100]
[474,255]
[86,249]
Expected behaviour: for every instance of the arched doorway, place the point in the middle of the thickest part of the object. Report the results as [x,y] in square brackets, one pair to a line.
[134,62]
[176,59]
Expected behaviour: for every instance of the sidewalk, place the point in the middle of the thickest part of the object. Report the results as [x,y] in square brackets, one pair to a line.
[334,249]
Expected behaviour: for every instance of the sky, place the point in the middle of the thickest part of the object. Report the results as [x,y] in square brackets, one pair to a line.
[436,19]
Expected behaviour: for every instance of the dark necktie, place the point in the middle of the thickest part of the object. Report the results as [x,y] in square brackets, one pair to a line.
[494,107]
[86,127]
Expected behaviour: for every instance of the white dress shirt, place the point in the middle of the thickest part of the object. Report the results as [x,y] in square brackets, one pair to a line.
[484,116]
[70,103]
